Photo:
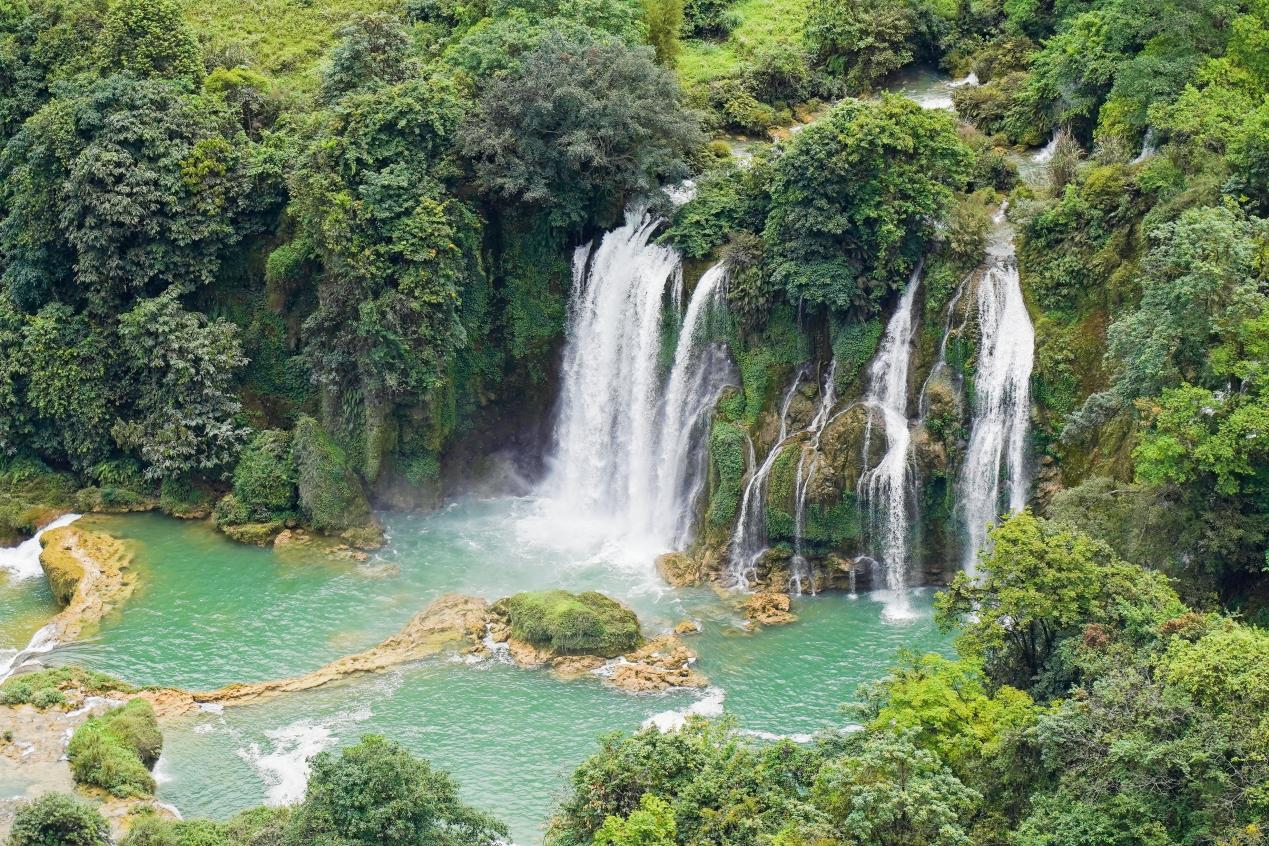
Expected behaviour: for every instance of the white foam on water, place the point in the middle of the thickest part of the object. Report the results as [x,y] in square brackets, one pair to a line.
[796,737]
[23,561]
[42,641]
[1045,153]
[284,768]
[710,705]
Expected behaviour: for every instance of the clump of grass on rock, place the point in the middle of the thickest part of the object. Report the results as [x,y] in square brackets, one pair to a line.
[572,623]
[116,750]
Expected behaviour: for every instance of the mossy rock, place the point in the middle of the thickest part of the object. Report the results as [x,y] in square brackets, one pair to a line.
[62,569]
[115,751]
[571,623]
[256,534]
[331,496]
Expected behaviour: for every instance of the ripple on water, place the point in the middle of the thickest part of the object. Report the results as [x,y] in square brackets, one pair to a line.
[210,612]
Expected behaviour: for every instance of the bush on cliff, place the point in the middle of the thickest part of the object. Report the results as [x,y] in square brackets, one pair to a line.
[330,494]
[572,623]
[116,750]
[264,480]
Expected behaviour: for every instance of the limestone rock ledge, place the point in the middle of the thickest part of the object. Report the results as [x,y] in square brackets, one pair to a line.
[89,574]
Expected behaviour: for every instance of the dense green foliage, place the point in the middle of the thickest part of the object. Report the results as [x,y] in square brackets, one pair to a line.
[56,819]
[371,794]
[117,750]
[46,688]
[572,623]
[1104,711]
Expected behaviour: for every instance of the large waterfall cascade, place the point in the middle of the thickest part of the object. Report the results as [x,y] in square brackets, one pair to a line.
[994,476]
[627,434]
[885,487]
[808,463]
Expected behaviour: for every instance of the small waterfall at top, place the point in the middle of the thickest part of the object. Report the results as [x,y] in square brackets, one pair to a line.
[885,487]
[626,458]
[749,540]
[1002,397]
[801,571]
[1149,146]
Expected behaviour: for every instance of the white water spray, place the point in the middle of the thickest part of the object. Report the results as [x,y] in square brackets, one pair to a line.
[626,438]
[885,487]
[994,476]
[800,576]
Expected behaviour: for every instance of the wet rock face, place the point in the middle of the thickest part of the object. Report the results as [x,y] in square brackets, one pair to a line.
[843,441]
[769,608]
[679,569]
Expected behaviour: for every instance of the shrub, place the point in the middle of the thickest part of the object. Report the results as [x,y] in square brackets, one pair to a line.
[264,480]
[153,831]
[25,688]
[586,623]
[56,819]
[114,751]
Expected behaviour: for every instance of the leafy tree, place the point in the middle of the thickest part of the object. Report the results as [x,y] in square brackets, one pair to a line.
[56,819]
[150,39]
[855,197]
[719,788]
[374,50]
[119,188]
[183,366]
[862,40]
[397,252]
[651,825]
[583,124]
[665,22]
[377,793]
[887,791]
[1197,277]
[1038,585]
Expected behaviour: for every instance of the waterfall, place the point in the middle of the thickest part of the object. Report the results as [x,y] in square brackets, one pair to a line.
[1002,402]
[801,571]
[1148,146]
[1045,153]
[699,373]
[627,460]
[749,540]
[885,487]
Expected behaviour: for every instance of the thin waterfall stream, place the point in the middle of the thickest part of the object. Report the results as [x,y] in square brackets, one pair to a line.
[994,476]
[885,487]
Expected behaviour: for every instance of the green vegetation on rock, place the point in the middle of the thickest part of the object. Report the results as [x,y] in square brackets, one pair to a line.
[572,623]
[117,750]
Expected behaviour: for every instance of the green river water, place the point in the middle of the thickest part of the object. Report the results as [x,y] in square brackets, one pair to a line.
[209,611]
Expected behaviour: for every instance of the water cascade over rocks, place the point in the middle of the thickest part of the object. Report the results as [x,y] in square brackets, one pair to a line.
[627,458]
[885,487]
[994,476]
[800,577]
[749,540]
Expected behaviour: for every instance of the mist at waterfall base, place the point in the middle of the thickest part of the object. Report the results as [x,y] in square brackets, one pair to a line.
[209,611]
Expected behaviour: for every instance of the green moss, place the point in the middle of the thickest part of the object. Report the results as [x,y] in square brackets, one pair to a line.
[727,463]
[30,493]
[19,689]
[331,495]
[781,494]
[115,751]
[572,623]
[854,345]
[181,496]
[774,351]
[832,524]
